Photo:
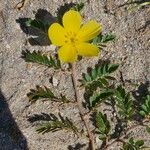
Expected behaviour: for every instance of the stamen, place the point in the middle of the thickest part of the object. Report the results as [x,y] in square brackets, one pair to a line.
[70,37]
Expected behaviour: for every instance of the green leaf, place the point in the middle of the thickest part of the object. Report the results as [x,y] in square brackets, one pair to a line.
[45,93]
[94,74]
[40,92]
[145,108]
[148,129]
[133,145]
[88,78]
[97,40]
[104,81]
[102,124]
[131,141]
[37,24]
[110,78]
[126,146]
[99,97]
[43,59]
[108,37]
[124,102]
[101,39]
[99,76]
[147,102]
[112,68]
[120,93]
[57,124]
[104,69]
[139,143]
[79,7]
[142,113]
[102,137]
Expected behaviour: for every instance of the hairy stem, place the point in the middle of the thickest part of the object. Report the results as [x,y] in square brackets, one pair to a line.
[80,107]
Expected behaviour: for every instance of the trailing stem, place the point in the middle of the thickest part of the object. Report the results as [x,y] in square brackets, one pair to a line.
[80,107]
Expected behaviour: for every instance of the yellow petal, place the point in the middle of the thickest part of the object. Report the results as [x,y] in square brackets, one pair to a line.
[72,20]
[89,31]
[67,53]
[86,49]
[56,34]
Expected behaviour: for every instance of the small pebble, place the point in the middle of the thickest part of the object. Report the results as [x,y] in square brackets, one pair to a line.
[7,46]
[55,81]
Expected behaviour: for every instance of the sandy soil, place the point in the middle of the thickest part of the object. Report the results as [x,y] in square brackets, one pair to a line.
[130,49]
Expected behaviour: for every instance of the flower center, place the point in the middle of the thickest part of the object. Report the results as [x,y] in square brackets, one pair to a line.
[70,38]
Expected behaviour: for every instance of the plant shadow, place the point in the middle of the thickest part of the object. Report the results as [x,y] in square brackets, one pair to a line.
[141,92]
[139,96]
[62,9]
[10,135]
[43,19]
[78,146]
[42,117]
[36,35]
[119,126]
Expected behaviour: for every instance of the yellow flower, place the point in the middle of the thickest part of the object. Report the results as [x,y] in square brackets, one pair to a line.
[73,37]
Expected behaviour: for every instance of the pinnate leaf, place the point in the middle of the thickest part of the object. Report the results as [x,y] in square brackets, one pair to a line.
[145,108]
[102,124]
[100,97]
[79,6]
[43,59]
[99,75]
[57,123]
[45,93]
[102,39]
[124,102]
[37,24]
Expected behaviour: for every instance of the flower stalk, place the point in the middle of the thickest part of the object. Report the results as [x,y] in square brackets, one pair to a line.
[80,107]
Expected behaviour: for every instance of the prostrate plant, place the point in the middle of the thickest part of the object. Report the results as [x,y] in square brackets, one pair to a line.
[76,40]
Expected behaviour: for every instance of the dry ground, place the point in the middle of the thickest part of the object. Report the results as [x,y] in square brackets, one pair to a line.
[130,49]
